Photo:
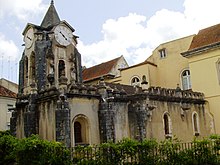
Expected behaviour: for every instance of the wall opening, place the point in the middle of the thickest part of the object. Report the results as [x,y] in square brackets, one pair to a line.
[78,132]
[186,81]
[135,81]
[32,67]
[61,68]
[195,122]
[81,130]
[167,125]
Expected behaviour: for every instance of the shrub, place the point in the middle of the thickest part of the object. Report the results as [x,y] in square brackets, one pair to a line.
[34,150]
[167,152]
[8,144]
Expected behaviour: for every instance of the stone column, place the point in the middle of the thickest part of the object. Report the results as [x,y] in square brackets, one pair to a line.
[106,115]
[63,129]
[106,123]
[141,115]
[30,117]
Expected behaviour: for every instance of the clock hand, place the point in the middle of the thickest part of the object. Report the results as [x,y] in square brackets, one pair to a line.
[29,38]
[63,35]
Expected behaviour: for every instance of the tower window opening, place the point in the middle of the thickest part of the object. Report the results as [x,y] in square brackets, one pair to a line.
[61,68]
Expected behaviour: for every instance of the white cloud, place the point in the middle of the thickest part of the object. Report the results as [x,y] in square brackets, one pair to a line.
[120,37]
[202,13]
[21,9]
[135,37]
[8,49]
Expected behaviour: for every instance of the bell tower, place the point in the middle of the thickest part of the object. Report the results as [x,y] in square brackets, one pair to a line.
[49,65]
[50,55]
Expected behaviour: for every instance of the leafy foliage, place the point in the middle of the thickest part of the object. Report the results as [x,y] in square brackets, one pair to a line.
[167,152]
[36,151]
[32,150]
[40,151]
[8,145]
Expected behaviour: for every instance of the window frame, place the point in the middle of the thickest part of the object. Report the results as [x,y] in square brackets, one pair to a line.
[167,126]
[162,53]
[138,83]
[186,78]
[196,128]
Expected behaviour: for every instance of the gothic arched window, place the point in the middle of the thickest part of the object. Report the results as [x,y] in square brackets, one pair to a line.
[167,125]
[26,67]
[186,82]
[32,69]
[195,122]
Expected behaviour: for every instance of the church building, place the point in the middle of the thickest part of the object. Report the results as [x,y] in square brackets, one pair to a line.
[54,103]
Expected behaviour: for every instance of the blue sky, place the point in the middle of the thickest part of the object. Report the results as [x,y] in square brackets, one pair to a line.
[107,29]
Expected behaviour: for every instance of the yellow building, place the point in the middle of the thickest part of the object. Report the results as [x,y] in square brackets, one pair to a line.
[165,67]
[204,63]
[9,85]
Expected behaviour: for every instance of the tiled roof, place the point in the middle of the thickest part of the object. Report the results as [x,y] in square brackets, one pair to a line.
[206,37]
[6,92]
[98,71]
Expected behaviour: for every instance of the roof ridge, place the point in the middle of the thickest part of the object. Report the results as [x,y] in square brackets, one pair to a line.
[100,69]
[105,62]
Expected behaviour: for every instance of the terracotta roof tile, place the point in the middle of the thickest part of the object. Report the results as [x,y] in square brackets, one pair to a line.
[6,92]
[99,70]
[206,37]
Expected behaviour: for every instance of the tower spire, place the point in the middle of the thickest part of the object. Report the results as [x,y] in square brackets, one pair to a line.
[51,18]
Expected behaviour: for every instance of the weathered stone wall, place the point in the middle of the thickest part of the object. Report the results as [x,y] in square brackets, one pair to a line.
[121,121]
[182,123]
[47,119]
[85,109]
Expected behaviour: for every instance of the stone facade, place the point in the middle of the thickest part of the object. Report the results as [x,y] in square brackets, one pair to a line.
[54,103]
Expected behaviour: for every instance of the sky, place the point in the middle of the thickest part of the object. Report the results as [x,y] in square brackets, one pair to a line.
[106,29]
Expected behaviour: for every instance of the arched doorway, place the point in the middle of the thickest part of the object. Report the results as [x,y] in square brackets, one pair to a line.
[78,132]
[81,130]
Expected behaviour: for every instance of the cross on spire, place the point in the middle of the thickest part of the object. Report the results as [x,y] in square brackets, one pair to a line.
[52,2]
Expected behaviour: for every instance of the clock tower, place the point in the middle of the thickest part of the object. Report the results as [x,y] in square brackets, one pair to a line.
[50,55]
[50,65]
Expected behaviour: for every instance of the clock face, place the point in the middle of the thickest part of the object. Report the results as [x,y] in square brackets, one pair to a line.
[29,38]
[63,35]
